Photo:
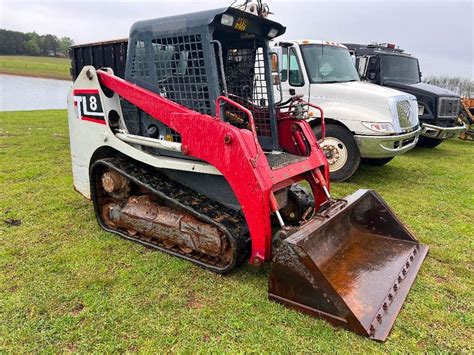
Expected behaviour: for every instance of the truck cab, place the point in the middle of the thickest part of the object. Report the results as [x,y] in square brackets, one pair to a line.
[364,122]
[386,65]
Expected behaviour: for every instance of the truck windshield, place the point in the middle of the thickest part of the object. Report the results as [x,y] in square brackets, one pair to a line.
[328,64]
[399,69]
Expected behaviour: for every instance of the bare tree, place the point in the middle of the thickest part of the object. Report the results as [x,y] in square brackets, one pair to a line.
[462,86]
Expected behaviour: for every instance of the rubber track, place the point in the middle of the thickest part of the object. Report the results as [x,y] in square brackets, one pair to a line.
[180,197]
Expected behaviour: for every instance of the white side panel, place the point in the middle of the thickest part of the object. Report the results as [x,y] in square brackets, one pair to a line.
[87,136]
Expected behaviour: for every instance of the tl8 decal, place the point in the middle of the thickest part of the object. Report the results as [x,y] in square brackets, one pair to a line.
[88,106]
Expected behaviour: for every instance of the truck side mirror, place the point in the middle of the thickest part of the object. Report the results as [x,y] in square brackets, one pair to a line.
[275,66]
[362,66]
[371,68]
[275,69]
[276,79]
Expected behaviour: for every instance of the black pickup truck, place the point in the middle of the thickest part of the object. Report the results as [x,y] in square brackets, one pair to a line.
[438,108]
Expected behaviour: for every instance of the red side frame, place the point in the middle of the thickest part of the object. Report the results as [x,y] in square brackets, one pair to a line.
[237,155]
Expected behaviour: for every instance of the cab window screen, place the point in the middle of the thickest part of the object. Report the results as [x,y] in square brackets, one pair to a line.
[162,58]
[140,63]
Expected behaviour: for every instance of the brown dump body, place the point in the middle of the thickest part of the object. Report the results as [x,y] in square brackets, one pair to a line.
[353,265]
[467,117]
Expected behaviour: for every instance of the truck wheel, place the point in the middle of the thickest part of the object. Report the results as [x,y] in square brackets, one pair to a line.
[376,161]
[427,142]
[341,151]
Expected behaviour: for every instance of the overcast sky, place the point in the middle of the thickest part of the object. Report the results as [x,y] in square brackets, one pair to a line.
[439,33]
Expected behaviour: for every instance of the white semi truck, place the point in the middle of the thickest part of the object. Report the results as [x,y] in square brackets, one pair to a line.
[364,122]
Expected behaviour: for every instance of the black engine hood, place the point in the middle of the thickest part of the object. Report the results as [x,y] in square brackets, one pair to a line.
[421,88]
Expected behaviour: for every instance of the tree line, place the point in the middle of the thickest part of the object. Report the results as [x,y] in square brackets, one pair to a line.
[31,43]
[462,86]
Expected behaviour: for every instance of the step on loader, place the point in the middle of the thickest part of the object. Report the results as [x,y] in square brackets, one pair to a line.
[178,140]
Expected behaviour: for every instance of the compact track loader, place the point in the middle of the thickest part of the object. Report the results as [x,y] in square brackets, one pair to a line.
[179,142]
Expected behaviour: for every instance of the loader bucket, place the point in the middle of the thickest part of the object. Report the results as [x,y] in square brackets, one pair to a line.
[352,265]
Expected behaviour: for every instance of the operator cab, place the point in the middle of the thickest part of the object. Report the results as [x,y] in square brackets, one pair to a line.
[438,108]
[385,63]
[195,58]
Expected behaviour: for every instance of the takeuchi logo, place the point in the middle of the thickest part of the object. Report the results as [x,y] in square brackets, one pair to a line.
[241,24]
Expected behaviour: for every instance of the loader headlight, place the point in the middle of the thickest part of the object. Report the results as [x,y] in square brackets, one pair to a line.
[227,20]
[272,33]
[381,127]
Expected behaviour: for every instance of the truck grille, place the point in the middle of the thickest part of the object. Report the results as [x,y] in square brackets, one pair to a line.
[448,107]
[403,110]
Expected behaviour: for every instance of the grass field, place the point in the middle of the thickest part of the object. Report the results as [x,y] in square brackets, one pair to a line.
[66,285]
[43,67]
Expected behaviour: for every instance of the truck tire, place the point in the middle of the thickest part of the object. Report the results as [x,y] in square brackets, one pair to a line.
[427,142]
[341,150]
[376,161]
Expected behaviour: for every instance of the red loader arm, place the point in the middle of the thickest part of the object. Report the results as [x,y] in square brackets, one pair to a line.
[236,153]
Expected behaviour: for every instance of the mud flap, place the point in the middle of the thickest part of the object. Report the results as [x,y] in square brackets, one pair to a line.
[352,265]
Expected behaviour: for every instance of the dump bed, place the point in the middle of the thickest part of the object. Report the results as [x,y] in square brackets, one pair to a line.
[112,54]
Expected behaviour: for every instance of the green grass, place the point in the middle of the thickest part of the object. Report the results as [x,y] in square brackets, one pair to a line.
[66,285]
[43,67]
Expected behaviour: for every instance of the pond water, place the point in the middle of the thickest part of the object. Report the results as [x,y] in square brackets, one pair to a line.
[25,93]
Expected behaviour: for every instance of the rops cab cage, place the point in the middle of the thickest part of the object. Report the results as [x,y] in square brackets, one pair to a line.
[194,59]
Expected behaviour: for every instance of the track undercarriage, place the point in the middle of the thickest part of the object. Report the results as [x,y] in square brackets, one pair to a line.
[140,204]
